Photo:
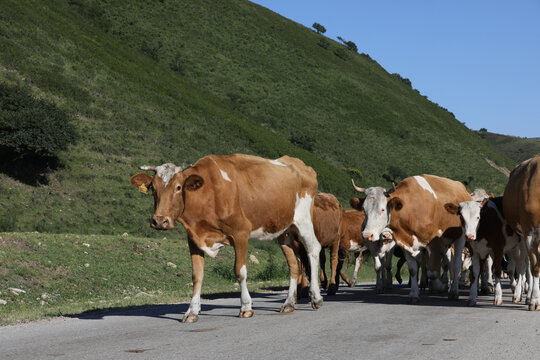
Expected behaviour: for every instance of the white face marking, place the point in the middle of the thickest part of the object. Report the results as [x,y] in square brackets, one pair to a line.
[225,175]
[479,195]
[376,209]
[275,162]
[470,213]
[213,251]
[167,171]
[425,185]
[260,234]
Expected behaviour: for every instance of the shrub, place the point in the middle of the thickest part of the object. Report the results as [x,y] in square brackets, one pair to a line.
[319,28]
[30,126]
[304,141]
[402,79]
[324,43]
[341,53]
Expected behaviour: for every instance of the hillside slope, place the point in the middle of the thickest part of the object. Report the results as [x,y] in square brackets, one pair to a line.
[150,82]
[517,149]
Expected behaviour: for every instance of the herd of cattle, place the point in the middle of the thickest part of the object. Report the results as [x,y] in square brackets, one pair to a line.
[228,200]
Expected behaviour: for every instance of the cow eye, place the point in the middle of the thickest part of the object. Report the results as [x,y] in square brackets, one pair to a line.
[382,210]
[178,188]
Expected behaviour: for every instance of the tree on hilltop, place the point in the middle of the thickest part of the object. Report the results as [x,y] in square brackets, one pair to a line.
[319,28]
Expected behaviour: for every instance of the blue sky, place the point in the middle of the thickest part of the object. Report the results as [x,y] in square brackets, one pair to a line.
[479,59]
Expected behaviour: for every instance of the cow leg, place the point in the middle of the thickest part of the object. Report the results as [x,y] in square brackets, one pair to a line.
[434,266]
[487,276]
[313,248]
[423,267]
[388,270]
[334,280]
[412,262]
[240,270]
[497,265]
[533,246]
[459,244]
[399,265]
[475,272]
[512,268]
[292,261]
[197,266]
[379,287]
[529,280]
[518,266]
[359,260]
[322,262]
[446,260]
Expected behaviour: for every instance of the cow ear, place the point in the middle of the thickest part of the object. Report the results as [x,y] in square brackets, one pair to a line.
[484,202]
[357,203]
[141,181]
[395,204]
[491,196]
[193,183]
[451,208]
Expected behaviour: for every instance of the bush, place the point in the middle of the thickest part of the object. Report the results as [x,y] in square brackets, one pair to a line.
[304,141]
[324,43]
[30,126]
[341,53]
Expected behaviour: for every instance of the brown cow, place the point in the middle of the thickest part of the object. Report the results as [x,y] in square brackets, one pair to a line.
[326,221]
[226,200]
[521,206]
[415,213]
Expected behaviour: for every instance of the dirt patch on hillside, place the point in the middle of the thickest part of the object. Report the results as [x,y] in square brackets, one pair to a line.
[502,169]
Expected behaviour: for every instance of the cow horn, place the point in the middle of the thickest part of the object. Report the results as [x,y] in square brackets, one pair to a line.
[359,189]
[393,186]
[148,167]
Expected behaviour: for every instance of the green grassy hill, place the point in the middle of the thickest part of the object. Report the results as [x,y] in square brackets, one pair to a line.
[516,148]
[152,82]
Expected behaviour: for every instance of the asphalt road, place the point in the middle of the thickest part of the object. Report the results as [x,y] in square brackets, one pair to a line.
[356,323]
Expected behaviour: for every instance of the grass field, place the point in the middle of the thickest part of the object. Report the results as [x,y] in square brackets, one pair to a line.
[66,274]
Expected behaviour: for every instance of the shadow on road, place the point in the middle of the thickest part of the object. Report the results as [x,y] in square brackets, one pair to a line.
[271,302]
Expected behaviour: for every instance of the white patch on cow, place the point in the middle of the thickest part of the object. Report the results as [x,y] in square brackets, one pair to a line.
[470,212]
[167,171]
[425,185]
[260,234]
[416,247]
[212,251]
[355,247]
[275,162]
[195,305]
[225,175]
[440,232]
[377,214]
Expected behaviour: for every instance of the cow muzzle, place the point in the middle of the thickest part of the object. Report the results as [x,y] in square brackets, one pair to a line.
[368,236]
[471,236]
[162,222]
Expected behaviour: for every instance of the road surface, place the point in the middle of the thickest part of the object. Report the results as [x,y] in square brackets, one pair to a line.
[356,323]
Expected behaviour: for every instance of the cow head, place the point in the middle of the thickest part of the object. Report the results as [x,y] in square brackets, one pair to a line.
[480,194]
[375,206]
[168,185]
[470,212]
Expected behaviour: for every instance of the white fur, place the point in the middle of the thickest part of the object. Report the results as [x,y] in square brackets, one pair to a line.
[194,305]
[425,185]
[260,234]
[212,251]
[225,175]
[167,171]
[244,297]
[376,220]
[275,162]
[354,247]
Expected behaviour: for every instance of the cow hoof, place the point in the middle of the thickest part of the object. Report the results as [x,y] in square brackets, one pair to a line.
[350,284]
[413,300]
[245,314]
[497,302]
[379,291]
[527,301]
[534,307]
[516,300]
[286,308]
[332,289]
[471,303]
[190,318]
[316,304]
[453,296]
[324,284]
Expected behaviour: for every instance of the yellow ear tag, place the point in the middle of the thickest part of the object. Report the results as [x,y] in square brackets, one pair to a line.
[143,188]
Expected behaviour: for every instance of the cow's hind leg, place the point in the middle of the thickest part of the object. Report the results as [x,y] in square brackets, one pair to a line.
[533,245]
[459,244]
[359,260]
[412,262]
[334,274]
[475,272]
[322,262]
[197,266]
[240,270]
[302,221]
[292,261]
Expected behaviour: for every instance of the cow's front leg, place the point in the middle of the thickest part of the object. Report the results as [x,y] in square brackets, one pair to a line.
[313,249]
[334,274]
[292,261]
[412,262]
[359,260]
[497,262]
[240,270]
[474,280]
[379,284]
[197,266]
[459,244]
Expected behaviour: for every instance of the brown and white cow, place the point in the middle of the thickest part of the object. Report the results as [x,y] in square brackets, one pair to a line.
[226,200]
[326,222]
[521,206]
[488,234]
[415,213]
[381,251]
